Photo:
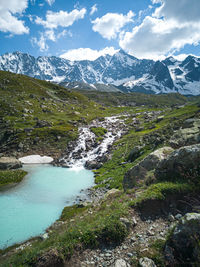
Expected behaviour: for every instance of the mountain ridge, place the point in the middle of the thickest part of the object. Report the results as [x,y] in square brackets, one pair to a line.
[123,71]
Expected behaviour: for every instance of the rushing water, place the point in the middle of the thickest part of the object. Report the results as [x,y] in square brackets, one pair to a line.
[32,206]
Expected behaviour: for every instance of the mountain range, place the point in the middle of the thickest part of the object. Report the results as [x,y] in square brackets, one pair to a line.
[120,72]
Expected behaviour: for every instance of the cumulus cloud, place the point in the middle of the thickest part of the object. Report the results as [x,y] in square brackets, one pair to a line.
[93,9]
[9,22]
[180,10]
[61,18]
[41,42]
[87,53]
[165,32]
[110,24]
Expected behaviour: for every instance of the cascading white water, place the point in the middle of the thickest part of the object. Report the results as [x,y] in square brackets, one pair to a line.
[86,148]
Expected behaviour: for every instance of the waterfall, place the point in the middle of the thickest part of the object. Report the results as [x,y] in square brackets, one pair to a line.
[86,149]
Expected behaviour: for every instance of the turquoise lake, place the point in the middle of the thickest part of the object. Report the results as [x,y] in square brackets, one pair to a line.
[33,205]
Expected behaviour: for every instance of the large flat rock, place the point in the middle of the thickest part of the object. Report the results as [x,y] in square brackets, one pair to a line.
[7,163]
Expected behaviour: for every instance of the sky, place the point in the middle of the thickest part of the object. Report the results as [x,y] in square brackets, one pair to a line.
[87,29]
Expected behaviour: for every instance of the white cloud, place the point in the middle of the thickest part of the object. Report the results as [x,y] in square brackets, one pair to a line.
[9,22]
[110,24]
[50,2]
[93,9]
[50,35]
[180,10]
[87,53]
[165,32]
[41,42]
[61,18]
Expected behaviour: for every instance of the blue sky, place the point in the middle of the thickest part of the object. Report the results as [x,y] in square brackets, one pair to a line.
[86,29]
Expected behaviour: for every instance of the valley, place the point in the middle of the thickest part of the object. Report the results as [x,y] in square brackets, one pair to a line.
[144,152]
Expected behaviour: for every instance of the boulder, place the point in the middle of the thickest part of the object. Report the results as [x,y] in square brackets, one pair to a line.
[146,262]
[182,247]
[182,163]
[139,171]
[111,192]
[121,263]
[189,134]
[50,258]
[152,160]
[93,164]
[7,163]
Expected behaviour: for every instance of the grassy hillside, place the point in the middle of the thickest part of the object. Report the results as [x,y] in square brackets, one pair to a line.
[136,99]
[40,116]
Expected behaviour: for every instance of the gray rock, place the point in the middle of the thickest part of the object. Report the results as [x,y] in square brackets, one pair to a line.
[7,163]
[182,163]
[152,160]
[44,236]
[121,263]
[146,262]
[171,218]
[183,243]
[126,222]
[90,165]
[189,134]
[178,216]
[49,259]
[139,171]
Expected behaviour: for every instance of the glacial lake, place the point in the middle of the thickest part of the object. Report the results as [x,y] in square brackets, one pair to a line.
[37,202]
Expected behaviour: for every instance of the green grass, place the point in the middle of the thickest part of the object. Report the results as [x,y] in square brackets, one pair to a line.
[116,169]
[160,191]
[8,177]
[71,211]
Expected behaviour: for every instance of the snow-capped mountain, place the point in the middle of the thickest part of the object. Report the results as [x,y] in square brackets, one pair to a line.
[169,76]
[121,70]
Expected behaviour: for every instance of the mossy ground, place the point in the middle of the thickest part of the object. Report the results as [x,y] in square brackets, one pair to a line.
[9,177]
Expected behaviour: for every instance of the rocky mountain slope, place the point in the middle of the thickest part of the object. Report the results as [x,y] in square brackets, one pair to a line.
[121,70]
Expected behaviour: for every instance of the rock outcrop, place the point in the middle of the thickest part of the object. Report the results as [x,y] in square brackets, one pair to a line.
[50,259]
[7,163]
[139,171]
[182,246]
[189,134]
[182,163]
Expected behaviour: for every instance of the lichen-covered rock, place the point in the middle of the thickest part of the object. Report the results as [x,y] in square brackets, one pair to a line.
[182,163]
[121,263]
[139,171]
[183,245]
[189,134]
[146,262]
[7,163]
[152,160]
[50,258]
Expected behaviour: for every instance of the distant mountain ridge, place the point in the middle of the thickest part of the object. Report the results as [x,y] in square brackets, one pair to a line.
[122,71]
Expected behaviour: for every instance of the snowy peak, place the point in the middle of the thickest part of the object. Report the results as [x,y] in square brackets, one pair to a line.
[161,73]
[120,70]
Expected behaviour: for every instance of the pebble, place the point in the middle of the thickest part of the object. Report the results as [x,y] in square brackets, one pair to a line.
[178,216]
[171,218]
[134,221]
